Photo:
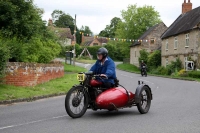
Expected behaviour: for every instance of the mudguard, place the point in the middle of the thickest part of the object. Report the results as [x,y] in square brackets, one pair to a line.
[138,90]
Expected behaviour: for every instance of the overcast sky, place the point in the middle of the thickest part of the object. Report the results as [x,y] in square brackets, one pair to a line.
[97,13]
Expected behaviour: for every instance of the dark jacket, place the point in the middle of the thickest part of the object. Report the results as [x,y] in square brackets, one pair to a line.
[142,64]
[108,68]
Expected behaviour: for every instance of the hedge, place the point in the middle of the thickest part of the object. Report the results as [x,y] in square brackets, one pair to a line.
[194,74]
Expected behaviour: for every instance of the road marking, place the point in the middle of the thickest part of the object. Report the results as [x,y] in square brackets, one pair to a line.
[124,75]
[32,122]
[147,81]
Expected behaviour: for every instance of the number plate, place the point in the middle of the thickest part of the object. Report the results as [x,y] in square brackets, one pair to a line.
[81,77]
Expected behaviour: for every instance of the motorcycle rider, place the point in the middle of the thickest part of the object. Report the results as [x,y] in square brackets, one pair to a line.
[141,66]
[105,66]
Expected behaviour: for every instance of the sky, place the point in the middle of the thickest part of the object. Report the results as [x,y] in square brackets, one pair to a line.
[97,13]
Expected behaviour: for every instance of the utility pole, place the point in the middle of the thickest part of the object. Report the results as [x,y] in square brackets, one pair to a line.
[74,41]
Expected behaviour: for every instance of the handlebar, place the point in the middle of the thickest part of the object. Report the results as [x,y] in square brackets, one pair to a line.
[99,76]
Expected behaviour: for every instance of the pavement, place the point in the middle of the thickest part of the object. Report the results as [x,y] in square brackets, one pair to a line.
[175,108]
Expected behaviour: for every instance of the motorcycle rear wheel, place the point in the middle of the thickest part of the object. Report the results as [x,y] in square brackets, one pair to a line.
[145,100]
[76,102]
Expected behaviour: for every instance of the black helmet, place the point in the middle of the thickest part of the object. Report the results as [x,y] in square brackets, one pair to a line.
[103,51]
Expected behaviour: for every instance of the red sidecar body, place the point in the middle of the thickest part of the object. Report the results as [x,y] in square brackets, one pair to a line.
[114,98]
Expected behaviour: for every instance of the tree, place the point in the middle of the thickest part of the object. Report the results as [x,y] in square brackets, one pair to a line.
[105,32]
[63,20]
[20,18]
[114,25]
[24,37]
[136,20]
[110,30]
[86,30]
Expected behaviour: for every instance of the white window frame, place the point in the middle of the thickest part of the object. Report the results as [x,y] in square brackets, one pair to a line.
[175,43]
[166,45]
[166,61]
[187,40]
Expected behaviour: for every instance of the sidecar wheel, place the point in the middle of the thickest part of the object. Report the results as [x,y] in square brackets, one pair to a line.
[76,102]
[145,100]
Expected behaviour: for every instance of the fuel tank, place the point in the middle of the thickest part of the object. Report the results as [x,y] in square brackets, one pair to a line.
[114,98]
[95,83]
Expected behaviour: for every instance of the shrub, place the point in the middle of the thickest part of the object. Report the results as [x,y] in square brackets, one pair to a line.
[174,66]
[194,74]
[4,56]
[154,59]
[40,51]
[162,70]
[154,71]
[143,56]
[182,73]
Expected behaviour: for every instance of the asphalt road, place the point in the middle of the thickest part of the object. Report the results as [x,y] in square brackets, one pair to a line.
[175,109]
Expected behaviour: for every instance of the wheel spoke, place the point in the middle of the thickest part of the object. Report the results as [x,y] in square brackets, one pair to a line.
[78,98]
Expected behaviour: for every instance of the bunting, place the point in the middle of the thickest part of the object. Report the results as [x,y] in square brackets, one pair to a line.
[119,39]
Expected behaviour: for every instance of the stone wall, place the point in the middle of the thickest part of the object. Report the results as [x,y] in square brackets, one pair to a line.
[150,47]
[182,50]
[31,74]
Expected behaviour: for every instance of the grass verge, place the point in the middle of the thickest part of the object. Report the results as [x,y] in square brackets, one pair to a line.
[134,69]
[56,86]
[85,61]
[71,68]
[60,85]
[129,68]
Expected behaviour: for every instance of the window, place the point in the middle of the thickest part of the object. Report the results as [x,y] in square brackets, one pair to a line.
[95,44]
[166,61]
[175,43]
[152,41]
[187,40]
[166,46]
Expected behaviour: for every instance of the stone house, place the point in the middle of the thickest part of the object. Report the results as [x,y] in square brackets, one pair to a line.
[182,39]
[93,41]
[150,41]
[64,34]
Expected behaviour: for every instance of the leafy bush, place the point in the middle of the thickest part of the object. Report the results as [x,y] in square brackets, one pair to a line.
[33,50]
[4,56]
[182,73]
[154,59]
[128,67]
[194,74]
[143,56]
[120,50]
[174,66]
[162,70]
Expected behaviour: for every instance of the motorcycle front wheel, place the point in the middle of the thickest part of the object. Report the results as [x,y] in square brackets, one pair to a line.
[76,102]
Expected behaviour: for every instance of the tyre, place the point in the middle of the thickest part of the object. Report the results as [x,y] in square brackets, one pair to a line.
[145,100]
[76,102]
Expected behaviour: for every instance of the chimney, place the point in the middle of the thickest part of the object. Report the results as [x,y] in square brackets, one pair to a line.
[50,23]
[186,7]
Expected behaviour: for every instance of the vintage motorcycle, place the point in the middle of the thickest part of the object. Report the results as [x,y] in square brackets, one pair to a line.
[144,71]
[90,94]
